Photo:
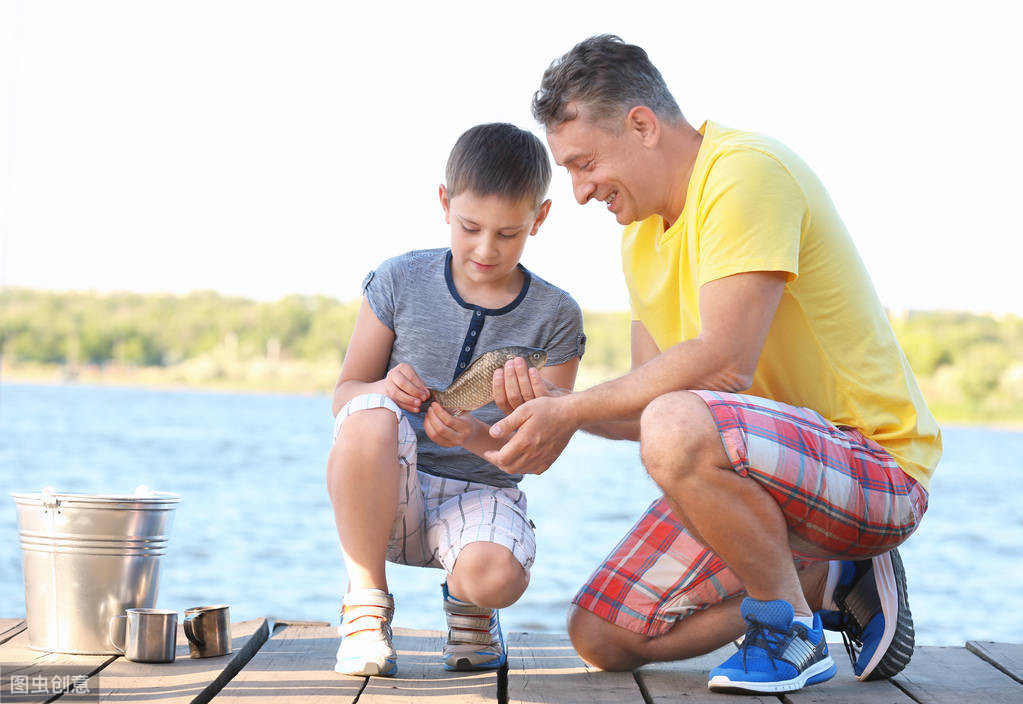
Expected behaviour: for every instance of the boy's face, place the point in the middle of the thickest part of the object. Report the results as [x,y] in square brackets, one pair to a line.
[488,234]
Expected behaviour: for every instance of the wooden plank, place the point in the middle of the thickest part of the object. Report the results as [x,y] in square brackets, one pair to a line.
[938,675]
[296,664]
[184,680]
[844,688]
[1007,657]
[421,674]
[545,668]
[36,669]
[10,627]
[665,682]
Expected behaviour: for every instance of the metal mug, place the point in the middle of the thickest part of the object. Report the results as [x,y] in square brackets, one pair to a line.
[150,635]
[208,629]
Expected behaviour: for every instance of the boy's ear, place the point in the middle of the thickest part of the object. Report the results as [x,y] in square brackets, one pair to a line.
[541,215]
[445,203]
[643,123]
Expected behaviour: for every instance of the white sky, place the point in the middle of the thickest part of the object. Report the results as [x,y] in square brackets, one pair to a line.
[266,148]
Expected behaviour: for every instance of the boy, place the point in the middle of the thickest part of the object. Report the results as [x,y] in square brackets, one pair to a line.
[412,487]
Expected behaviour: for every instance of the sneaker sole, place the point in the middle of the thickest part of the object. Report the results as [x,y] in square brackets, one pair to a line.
[896,645]
[368,669]
[820,671]
[465,665]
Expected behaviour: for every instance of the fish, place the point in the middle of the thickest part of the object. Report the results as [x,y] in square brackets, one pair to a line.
[474,388]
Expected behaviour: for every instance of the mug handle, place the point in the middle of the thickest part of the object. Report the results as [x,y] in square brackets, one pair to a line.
[110,633]
[190,632]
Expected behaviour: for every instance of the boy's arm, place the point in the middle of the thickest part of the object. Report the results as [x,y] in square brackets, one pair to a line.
[364,370]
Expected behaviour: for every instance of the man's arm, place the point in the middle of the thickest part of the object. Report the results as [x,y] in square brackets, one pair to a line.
[643,350]
[735,314]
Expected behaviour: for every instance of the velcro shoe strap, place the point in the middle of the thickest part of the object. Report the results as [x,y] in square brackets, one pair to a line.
[361,612]
[463,608]
[476,623]
[473,636]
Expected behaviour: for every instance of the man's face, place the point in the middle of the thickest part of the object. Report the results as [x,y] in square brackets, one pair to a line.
[605,166]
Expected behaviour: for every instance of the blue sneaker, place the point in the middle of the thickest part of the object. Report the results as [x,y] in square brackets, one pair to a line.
[777,654]
[873,616]
[474,639]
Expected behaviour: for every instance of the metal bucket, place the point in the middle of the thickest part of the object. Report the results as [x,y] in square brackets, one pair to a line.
[87,558]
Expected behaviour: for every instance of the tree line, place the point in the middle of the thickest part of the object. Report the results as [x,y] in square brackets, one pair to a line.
[969,365]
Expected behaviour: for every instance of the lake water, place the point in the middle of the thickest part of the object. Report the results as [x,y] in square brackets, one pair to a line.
[254,528]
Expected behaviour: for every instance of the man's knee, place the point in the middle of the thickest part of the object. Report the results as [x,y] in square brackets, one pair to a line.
[602,644]
[676,430]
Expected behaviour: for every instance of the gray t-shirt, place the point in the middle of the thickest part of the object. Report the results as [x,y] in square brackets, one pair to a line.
[439,334]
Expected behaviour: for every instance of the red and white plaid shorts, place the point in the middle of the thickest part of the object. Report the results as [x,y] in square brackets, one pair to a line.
[838,490]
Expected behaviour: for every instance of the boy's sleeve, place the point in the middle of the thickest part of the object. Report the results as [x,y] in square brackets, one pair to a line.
[752,217]
[568,340]
[378,287]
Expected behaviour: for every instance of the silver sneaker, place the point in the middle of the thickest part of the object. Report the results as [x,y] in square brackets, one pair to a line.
[474,639]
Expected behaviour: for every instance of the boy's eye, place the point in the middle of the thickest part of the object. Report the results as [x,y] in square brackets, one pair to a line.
[470,229]
[508,235]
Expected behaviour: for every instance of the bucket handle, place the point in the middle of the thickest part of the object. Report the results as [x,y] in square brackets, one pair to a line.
[190,632]
[110,633]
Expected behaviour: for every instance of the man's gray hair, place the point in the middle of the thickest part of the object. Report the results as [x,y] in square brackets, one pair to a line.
[605,77]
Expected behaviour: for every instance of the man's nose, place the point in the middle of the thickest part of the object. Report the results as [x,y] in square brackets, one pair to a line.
[583,189]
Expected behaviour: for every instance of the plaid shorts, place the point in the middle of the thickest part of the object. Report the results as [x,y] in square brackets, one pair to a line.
[438,516]
[838,490]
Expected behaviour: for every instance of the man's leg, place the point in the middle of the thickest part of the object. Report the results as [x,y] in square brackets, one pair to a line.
[733,515]
[608,646]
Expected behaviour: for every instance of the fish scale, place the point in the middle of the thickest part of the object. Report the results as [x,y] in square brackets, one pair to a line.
[474,388]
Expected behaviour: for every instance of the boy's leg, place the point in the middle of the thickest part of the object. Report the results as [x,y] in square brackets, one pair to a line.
[485,542]
[368,478]
[362,480]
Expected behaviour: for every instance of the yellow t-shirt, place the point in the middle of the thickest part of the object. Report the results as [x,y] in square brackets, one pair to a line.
[753,205]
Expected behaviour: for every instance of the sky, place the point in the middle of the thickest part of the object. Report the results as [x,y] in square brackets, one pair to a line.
[268,148]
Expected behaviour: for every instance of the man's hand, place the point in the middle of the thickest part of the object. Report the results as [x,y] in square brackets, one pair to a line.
[541,427]
[445,429]
[517,383]
[405,388]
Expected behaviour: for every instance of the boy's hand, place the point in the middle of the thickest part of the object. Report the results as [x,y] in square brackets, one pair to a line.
[445,429]
[517,383]
[405,388]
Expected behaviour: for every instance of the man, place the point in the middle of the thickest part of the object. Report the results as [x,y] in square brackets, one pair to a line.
[794,493]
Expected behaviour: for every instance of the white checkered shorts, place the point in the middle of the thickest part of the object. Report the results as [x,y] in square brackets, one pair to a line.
[438,516]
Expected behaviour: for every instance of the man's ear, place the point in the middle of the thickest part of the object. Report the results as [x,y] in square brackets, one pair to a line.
[642,122]
[445,203]
[541,215]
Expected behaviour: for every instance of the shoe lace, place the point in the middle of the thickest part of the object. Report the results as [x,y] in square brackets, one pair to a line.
[852,632]
[765,636]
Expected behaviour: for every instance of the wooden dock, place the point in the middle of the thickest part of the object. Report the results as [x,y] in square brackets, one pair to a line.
[292,662]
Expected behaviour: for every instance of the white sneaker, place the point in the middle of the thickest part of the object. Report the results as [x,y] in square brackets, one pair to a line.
[365,631]
[474,636]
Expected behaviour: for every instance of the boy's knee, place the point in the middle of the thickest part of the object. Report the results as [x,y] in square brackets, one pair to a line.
[369,426]
[490,575]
